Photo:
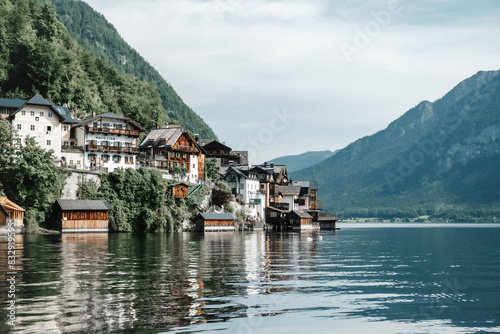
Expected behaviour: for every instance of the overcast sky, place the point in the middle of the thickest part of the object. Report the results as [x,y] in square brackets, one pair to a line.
[285,77]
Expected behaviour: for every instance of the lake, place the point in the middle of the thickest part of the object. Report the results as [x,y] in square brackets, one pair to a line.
[379,278]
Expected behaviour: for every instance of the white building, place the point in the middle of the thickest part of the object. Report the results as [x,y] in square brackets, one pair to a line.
[108,141]
[37,118]
[245,184]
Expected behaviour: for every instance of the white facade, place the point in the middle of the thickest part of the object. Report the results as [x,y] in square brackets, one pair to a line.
[107,145]
[193,172]
[42,123]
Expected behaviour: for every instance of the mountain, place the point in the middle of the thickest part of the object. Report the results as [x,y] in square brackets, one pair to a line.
[92,31]
[440,158]
[37,55]
[301,161]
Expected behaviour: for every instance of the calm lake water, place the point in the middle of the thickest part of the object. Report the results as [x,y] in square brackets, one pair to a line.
[378,278]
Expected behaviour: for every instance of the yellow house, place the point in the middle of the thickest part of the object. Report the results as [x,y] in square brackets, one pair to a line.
[11,211]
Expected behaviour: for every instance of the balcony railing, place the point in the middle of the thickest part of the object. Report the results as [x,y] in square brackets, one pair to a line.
[105,148]
[185,148]
[71,148]
[113,131]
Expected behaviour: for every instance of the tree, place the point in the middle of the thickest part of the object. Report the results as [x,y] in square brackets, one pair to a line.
[211,170]
[34,181]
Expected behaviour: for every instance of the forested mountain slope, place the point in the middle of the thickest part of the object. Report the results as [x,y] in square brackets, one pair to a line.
[439,159]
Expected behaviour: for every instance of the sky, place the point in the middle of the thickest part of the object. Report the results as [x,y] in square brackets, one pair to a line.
[279,77]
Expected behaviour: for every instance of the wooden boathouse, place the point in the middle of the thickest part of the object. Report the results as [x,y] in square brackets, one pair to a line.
[215,222]
[82,215]
[300,220]
[11,212]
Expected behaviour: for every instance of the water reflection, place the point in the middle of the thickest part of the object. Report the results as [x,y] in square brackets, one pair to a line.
[245,282]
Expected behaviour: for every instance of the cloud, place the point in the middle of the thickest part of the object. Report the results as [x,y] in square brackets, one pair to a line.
[235,61]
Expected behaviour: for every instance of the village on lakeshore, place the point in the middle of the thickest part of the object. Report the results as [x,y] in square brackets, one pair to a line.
[107,142]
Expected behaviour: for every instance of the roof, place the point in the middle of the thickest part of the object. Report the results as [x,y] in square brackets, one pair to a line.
[5,213]
[39,100]
[109,115]
[83,205]
[300,214]
[164,137]
[12,103]
[64,113]
[243,156]
[179,184]
[215,145]
[289,190]
[217,216]
[7,204]
[204,141]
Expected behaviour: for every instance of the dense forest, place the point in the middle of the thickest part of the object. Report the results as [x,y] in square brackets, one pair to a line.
[37,55]
[440,159]
[92,31]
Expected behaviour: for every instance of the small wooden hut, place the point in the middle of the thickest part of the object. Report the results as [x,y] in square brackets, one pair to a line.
[215,222]
[180,190]
[11,212]
[82,215]
[327,221]
[300,220]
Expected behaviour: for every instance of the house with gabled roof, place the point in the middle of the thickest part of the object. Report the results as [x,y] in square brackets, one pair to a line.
[245,184]
[108,141]
[37,118]
[172,147]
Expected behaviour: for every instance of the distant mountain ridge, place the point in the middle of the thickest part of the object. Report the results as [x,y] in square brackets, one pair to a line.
[92,31]
[301,161]
[440,158]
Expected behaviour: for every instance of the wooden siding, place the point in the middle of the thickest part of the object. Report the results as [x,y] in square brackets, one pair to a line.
[84,215]
[84,224]
[201,167]
[215,225]
[180,191]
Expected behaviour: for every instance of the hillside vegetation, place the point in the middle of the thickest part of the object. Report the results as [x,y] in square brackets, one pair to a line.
[440,159]
[92,31]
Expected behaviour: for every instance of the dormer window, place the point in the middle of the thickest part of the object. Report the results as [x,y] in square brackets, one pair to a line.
[49,114]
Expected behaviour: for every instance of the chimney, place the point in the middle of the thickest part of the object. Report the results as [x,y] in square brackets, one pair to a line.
[265,164]
[166,126]
[93,113]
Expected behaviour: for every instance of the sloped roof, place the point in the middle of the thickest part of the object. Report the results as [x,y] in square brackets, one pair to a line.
[217,216]
[5,213]
[216,145]
[109,115]
[164,137]
[300,214]
[7,204]
[39,100]
[12,103]
[64,113]
[204,141]
[289,190]
[83,205]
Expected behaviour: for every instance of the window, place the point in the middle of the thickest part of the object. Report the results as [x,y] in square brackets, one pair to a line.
[126,160]
[65,127]
[23,112]
[32,113]
[41,113]
[66,143]
[49,128]
[32,127]
[131,160]
[274,215]
[184,155]
[49,114]
[71,162]
[49,142]
[78,162]
[19,127]
[193,166]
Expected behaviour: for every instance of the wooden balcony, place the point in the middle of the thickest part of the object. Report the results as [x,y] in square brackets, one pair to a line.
[132,133]
[185,149]
[116,149]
